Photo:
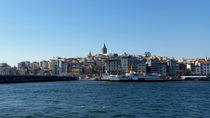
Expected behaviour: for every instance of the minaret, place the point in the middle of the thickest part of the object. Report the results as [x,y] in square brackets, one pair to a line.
[104,49]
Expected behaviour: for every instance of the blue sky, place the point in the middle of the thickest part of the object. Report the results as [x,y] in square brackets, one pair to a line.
[37,30]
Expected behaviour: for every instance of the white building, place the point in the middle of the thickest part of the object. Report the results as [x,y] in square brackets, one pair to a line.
[202,67]
[192,67]
[23,67]
[53,67]
[113,66]
[44,65]
[4,69]
[58,66]
[63,67]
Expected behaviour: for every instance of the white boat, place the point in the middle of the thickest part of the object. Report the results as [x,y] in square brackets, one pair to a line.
[133,77]
[114,78]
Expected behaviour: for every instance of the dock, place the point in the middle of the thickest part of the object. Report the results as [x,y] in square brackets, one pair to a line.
[33,78]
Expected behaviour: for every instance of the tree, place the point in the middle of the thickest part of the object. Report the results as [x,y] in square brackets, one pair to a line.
[187,72]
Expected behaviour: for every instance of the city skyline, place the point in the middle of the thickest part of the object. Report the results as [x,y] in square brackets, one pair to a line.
[104,51]
[39,30]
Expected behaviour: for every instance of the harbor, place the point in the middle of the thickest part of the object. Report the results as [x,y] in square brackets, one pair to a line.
[142,78]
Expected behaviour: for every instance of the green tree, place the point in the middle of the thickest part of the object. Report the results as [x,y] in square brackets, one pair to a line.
[187,72]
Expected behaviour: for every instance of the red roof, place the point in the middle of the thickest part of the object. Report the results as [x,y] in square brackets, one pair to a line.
[204,62]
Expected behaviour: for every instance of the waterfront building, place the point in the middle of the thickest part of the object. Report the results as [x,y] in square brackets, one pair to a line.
[14,71]
[202,67]
[127,61]
[44,65]
[34,69]
[4,69]
[155,66]
[90,60]
[76,70]
[23,67]
[192,67]
[87,69]
[62,67]
[171,64]
[53,67]
[34,65]
[180,68]
[59,66]
[141,67]
[197,69]
[138,63]
[113,65]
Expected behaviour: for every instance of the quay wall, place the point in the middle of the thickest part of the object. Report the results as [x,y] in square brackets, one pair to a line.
[33,78]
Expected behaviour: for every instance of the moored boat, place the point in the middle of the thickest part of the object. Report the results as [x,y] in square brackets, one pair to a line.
[132,77]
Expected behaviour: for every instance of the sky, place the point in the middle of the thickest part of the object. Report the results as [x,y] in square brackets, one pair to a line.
[36,30]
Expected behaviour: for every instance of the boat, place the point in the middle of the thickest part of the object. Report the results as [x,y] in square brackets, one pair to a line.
[133,77]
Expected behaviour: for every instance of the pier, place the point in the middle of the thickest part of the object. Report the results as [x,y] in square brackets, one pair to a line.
[33,78]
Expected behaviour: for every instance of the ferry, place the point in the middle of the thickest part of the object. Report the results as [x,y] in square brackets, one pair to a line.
[132,77]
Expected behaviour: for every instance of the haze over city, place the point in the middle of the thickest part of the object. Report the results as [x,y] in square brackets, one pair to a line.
[39,30]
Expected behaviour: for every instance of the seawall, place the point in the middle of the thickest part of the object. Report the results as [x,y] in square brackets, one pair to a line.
[33,78]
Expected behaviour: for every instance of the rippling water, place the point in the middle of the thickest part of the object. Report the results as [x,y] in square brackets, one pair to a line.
[98,99]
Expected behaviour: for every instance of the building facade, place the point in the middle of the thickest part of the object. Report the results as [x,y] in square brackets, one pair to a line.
[155,66]
[113,66]
[127,61]
[202,68]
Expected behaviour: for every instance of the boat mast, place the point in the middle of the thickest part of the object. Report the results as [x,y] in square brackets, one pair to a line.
[131,69]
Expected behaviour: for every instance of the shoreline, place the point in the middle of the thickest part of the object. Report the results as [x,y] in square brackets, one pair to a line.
[33,78]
